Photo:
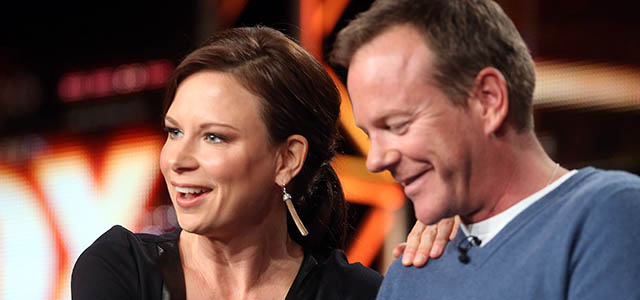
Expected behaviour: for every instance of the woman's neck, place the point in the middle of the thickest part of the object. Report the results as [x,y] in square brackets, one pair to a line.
[260,260]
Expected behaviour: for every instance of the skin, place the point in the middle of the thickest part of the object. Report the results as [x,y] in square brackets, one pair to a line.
[211,148]
[426,241]
[409,121]
[450,159]
[234,243]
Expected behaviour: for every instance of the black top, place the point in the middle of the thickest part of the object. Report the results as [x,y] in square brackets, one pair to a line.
[124,265]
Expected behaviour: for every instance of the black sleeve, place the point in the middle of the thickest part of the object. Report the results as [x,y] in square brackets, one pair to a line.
[106,270]
[354,281]
[335,278]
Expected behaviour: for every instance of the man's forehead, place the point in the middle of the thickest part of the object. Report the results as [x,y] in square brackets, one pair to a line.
[397,52]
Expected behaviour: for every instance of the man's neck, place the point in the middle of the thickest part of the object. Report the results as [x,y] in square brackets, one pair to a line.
[516,167]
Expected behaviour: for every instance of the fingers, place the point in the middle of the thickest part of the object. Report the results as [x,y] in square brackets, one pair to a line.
[444,229]
[454,230]
[426,241]
[399,249]
[425,246]
[413,240]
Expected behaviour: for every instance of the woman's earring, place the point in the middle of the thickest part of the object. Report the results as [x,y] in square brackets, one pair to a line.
[286,197]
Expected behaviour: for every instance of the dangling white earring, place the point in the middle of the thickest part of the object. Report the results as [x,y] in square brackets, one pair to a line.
[286,197]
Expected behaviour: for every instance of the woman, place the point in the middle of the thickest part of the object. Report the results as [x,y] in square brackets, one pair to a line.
[251,124]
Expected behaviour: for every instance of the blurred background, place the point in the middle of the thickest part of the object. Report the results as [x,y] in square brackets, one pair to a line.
[80,108]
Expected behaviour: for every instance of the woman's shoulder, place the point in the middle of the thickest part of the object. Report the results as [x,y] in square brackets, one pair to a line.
[119,261]
[116,236]
[119,237]
[337,262]
[333,277]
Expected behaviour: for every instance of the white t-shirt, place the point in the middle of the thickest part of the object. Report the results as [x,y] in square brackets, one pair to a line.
[487,229]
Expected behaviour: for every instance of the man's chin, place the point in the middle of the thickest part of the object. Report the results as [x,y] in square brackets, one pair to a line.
[429,217]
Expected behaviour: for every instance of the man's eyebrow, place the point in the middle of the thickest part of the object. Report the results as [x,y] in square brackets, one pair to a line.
[393,112]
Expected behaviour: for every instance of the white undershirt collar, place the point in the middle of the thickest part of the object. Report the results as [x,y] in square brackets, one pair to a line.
[487,229]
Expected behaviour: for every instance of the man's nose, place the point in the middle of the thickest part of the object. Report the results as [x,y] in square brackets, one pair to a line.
[381,158]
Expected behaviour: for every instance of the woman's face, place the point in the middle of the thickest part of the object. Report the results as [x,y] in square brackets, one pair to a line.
[217,161]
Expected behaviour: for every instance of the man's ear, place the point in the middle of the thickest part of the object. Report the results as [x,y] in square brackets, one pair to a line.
[493,99]
[291,158]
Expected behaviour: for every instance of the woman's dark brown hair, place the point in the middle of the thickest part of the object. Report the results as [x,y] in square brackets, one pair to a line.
[298,97]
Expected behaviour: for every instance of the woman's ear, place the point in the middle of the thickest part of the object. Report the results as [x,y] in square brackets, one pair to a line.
[493,99]
[291,158]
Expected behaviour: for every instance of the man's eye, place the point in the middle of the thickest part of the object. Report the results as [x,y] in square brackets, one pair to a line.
[398,127]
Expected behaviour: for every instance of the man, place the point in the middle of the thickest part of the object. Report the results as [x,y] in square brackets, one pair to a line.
[444,90]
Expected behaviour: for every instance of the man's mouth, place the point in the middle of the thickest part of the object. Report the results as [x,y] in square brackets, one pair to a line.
[410,180]
[412,185]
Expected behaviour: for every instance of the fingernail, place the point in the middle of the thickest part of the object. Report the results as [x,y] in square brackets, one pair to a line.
[420,259]
[435,251]
[406,259]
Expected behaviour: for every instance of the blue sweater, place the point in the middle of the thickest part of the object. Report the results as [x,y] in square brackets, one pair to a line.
[580,241]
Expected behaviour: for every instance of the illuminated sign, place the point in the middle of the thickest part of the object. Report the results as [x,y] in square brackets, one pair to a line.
[58,203]
[109,81]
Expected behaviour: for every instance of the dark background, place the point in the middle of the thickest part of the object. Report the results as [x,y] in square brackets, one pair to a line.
[41,42]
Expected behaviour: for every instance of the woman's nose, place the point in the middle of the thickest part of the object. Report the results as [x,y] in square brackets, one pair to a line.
[182,158]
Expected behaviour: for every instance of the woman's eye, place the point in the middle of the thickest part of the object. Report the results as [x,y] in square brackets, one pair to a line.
[214,138]
[173,133]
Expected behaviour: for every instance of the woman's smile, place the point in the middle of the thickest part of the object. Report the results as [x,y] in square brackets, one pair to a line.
[190,196]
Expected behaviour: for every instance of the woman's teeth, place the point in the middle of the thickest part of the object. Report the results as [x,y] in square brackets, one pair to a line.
[186,190]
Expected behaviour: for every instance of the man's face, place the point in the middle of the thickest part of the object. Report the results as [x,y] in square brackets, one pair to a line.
[416,132]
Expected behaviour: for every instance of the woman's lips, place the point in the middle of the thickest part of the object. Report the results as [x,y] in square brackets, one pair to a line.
[190,196]
[186,200]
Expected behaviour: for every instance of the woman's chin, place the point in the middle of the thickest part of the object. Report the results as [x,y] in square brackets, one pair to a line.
[189,224]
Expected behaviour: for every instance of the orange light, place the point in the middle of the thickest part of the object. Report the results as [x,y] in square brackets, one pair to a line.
[228,12]
[317,20]
[62,201]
